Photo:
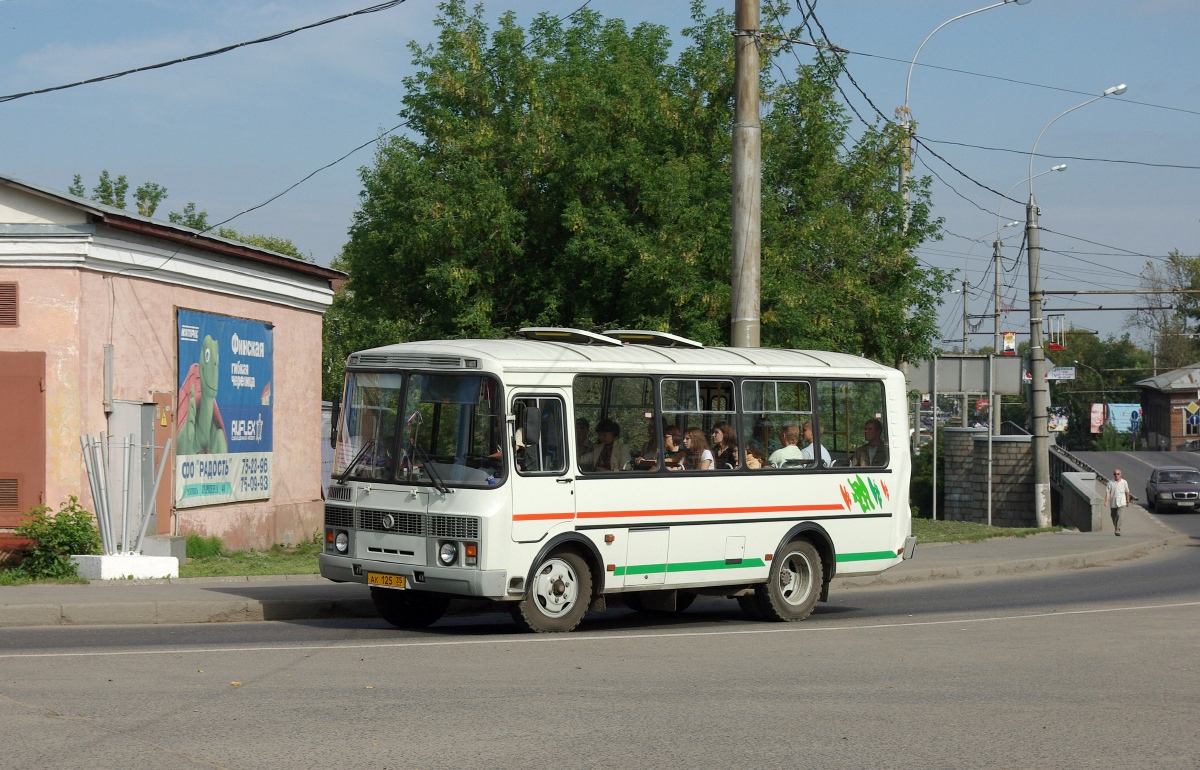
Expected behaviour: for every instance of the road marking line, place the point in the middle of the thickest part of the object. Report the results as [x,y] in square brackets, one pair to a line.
[593,637]
[1138,459]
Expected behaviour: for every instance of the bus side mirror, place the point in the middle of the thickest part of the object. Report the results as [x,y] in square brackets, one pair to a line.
[334,415]
[531,431]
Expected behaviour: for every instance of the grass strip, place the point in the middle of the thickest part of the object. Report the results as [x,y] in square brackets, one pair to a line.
[278,560]
[928,531]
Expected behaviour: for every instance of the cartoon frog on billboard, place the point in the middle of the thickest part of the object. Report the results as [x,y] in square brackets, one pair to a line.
[198,418]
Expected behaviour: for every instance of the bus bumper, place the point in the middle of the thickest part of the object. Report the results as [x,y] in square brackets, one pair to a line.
[910,546]
[443,580]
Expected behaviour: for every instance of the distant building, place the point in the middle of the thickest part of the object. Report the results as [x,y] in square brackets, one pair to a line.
[1171,408]
[214,344]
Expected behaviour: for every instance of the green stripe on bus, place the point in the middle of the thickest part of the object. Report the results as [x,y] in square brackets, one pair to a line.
[866,556]
[687,566]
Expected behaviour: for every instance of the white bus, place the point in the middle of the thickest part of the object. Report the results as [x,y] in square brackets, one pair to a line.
[553,471]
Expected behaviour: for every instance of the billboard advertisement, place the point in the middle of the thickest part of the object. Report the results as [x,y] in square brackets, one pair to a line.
[1121,416]
[224,418]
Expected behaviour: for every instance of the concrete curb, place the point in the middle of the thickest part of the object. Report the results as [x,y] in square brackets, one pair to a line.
[1013,567]
[116,613]
[203,611]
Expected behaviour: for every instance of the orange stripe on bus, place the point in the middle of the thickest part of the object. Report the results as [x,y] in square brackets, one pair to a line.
[709,511]
[541,516]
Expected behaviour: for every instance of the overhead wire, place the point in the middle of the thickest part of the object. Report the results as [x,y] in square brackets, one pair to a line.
[215,52]
[1063,157]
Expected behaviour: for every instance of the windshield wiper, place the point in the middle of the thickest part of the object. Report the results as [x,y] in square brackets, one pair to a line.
[414,424]
[370,445]
[420,452]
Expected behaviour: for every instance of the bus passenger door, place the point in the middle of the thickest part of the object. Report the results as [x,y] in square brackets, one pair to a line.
[646,556]
[543,488]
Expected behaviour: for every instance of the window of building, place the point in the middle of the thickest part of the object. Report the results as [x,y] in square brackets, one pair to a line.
[8,304]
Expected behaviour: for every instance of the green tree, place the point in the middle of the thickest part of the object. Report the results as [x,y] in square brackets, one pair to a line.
[148,196]
[109,191]
[1174,342]
[197,219]
[577,177]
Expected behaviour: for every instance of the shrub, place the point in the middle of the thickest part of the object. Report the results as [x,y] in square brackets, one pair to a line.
[56,537]
[199,547]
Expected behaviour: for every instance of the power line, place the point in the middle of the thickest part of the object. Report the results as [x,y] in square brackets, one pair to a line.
[1016,81]
[1103,245]
[1064,157]
[963,174]
[206,54]
[954,190]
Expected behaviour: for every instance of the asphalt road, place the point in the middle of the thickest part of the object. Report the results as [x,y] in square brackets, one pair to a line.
[1090,668]
[1136,468]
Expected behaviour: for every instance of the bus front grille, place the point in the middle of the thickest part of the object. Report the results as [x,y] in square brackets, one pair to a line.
[339,517]
[455,527]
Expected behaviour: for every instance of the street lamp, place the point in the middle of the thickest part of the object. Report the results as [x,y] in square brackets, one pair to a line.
[904,114]
[1037,354]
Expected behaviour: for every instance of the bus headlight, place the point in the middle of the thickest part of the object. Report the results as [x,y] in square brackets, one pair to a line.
[448,553]
[341,542]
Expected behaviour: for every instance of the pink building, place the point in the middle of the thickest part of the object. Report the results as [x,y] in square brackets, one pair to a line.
[83,285]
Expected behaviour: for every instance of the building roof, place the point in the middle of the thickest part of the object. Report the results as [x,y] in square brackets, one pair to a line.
[1185,379]
[131,221]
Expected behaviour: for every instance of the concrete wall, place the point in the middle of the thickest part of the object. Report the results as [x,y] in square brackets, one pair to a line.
[49,322]
[966,478]
[70,314]
[138,315]
[958,485]
[1082,505]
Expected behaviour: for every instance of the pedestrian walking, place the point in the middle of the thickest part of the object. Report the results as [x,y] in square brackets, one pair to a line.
[1116,497]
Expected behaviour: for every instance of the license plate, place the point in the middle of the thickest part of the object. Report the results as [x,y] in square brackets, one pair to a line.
[1185,503]
[385,580]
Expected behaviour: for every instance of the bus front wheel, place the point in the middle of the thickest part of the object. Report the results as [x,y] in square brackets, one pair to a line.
[795,583]
[408,609]
[558,596]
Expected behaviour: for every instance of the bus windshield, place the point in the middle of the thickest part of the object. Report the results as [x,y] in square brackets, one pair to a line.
[452,431]
[368,425]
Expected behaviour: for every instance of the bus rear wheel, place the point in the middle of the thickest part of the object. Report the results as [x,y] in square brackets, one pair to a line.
[791,591]
[408,609]
[558,596]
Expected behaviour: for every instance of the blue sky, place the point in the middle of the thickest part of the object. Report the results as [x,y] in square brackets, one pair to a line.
[231,131]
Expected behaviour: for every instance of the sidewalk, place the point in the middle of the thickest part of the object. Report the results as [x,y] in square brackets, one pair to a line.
[310,597]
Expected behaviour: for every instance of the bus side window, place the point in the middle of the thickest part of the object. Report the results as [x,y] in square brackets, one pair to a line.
[853,420]
[549,453]
[777,425]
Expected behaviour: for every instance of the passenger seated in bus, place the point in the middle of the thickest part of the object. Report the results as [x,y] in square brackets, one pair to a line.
[673,442]
[762,437]
[874,453]
[724,445]
[647,459]
[789,455]
[609,454]
[755,459]
[808,453]
[697,454]
[583,445]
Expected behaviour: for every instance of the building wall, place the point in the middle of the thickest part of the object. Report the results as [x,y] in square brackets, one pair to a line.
[70,314]
[138,315]
[49,315]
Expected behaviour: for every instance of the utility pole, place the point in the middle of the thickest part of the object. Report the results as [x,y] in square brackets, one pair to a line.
[965,400]
[747,180]
[1037,371]
[995,410]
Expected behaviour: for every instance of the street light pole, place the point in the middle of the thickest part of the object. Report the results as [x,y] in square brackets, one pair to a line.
[1037,354]
[745,305]
[903,112]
